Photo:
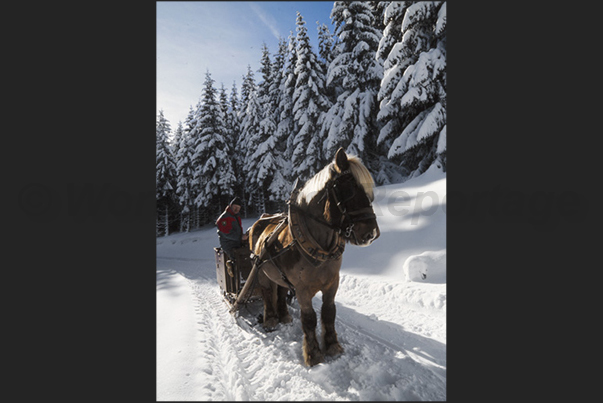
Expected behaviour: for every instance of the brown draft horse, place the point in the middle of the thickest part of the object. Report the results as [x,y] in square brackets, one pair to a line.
[332,208]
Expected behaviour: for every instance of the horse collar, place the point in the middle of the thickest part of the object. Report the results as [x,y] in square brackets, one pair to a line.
[311,249]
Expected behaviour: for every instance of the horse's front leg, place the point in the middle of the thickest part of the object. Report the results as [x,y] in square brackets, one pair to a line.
[327,317]
[311,349]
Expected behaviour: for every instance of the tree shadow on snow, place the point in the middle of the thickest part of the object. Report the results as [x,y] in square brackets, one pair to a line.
[428,352]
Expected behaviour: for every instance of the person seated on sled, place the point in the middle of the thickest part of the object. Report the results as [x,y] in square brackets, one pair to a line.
[230,232]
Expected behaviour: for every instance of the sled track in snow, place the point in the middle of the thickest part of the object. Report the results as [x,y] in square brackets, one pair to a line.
[244,363]
[225,354]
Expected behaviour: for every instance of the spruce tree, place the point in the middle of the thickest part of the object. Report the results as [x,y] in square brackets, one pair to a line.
[213,172]
[279,188]
[223,99]
[285,127]
[184,174]
[278,67]
[327,53]
[233,125]
[350,122]
[250,133]
[247,88]
[396,57]
[309,103]
[414,107]
[378,8]
[165,174]
[326,44]
[260,162]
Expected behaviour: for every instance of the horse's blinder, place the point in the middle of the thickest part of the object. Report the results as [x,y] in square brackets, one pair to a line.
[348,218]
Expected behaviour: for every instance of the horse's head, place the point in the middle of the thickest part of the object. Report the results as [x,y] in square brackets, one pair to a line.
[349,203]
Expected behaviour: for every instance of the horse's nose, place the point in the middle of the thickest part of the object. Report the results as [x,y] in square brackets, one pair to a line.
[371,236]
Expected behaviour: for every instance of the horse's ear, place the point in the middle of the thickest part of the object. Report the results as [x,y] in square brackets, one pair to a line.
[296,185]
[341,160]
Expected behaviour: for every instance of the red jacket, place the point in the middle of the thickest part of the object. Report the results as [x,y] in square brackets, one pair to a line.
[230,228]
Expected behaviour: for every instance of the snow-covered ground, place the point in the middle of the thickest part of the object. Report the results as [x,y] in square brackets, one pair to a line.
[391,316]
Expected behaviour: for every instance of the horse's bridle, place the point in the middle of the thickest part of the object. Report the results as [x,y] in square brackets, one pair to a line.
[348,218]
[344,228]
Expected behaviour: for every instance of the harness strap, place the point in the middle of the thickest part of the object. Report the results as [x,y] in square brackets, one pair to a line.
[271,259]
[312,251]
[257,262]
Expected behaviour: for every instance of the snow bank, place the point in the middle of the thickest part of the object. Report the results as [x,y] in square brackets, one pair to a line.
[429,267]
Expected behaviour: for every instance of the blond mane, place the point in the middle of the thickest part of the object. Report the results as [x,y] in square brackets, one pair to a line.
[319,181]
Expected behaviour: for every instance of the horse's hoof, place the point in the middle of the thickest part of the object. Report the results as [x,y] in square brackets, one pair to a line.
[313,359]
[286,319]
[270,324]
[334,349]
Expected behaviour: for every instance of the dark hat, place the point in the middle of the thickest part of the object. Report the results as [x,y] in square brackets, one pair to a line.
[236,201]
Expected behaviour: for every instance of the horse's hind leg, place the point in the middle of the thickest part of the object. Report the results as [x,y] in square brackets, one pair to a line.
[311,349]
[281,305]
[327,317]
[269,296]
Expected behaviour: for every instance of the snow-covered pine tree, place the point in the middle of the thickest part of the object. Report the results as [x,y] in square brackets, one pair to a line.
[228,117]
[378,8]
[224,106]
[233,125]
[226,171]
[184,174]
[193,129]
[265,161]
[327,53]
[166,169]
[228,177]
[260,164]
[285,127]
[351,121]
[186,191]
[165,174]
[250,132]
[309,103]
[212,162]
[413,106]
[396,55]
[278,67]
[326,45]
[233,112]
[176,141]
[279,188]
[247,88]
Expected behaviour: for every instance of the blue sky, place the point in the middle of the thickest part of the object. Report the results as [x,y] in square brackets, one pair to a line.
[222,37]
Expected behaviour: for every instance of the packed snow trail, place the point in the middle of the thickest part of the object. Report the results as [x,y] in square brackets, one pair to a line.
[393,331]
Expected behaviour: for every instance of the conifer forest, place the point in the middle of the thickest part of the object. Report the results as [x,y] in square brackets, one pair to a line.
[376,87]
